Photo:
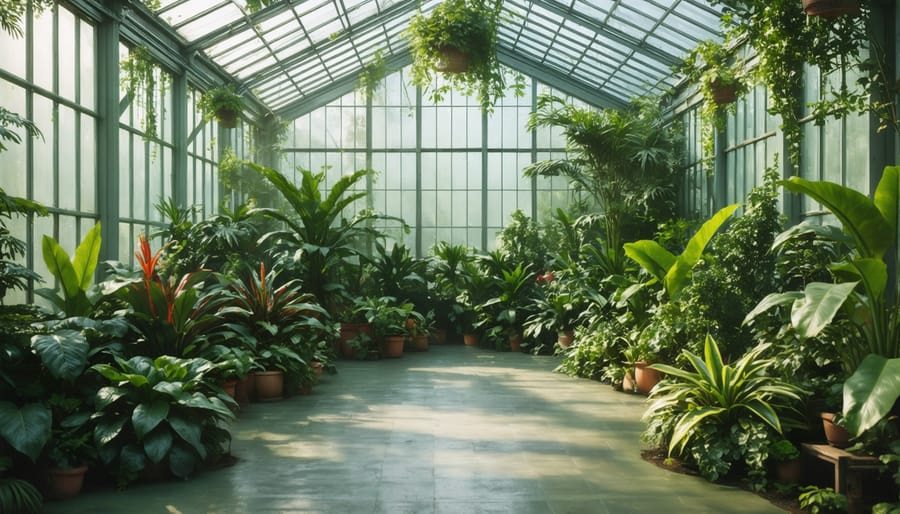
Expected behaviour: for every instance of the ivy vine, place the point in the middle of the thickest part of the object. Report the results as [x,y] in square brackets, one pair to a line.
[145,83]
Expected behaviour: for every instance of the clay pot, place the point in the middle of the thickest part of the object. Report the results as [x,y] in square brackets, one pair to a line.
[645,377]
[245,390]
[439,336]
[63,484]
[789,471]
[392,346]
[318,368]
[350,331]
[723,94]
[628,382]
[230,388]
[420,343]
[515,343]
[837,435]
[830,8]
[269,385]
[471,339]
[226,118]
[452,61]
[565,338]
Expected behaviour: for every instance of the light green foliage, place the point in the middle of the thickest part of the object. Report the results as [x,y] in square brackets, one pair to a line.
[74,277]
[822,500]
[521,241]
[871,392]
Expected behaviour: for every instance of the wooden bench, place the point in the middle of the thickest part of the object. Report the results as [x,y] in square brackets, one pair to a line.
[847,468]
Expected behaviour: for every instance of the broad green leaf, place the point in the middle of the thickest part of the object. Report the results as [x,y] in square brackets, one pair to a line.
[870,393]
[684,429]
[107,429]
[182,461]
[697,244]
[58,264]
[765,412]
[132,459]
[106,396]
[86,256]
[147,416]
[651,256]
[860,217]
[27,429]
[887,195]
[820,302]
[64,353]
[772,300]
[157,444]
[872,272]
[189,431]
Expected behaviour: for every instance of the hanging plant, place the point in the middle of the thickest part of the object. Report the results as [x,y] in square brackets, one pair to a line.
[721,79]
[455,27]
[371,76]
[785,40]
[830,8]
[13,11]
[140,78]
[222,103]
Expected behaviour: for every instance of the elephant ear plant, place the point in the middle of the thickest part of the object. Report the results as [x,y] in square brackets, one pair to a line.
[861,292]
[159,411]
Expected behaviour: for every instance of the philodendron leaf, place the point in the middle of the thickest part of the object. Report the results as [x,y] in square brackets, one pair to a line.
[64,353]
[870,393]
[158,443]
[820,302]
[26,429]
[147,416]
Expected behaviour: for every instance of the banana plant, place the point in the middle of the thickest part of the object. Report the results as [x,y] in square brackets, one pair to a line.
[75,276]
[674,272]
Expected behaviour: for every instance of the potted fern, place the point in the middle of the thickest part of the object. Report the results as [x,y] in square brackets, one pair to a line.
[222,103]
[459,40]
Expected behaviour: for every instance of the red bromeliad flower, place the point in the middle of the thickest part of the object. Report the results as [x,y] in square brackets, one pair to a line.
[148,262]
[546,278]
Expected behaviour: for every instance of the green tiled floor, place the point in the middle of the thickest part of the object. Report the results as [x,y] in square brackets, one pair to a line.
[453,430]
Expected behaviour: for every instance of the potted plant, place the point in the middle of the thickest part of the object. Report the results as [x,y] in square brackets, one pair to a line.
[420,330]
[822,500]
[391,323]
[555,312]
[69,450]
[222,103]
[788,465]
[459,40]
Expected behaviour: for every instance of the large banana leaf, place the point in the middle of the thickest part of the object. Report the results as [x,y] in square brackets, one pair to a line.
[887,195]
[861,218]
[870,393]
[820,302]
[651,256]
[772,300]
[680,272]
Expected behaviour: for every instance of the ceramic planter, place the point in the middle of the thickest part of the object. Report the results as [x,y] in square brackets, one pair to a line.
[452,61]
[269,385]
[837,435]
[565,338]
[392,346]
[63,484]
[645,377]
[471,339]
[830,8]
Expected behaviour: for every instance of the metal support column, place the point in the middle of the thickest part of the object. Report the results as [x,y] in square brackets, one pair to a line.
[180,138]
[108,134]
[484,180]
[370,204]
[534,93]
[418,227]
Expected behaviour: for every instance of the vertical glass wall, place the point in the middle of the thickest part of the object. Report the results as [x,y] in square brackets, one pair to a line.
[47,76]
[449,171]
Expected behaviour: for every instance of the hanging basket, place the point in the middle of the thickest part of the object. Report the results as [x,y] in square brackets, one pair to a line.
[830,8]
[452,61]
[226,118]
[723,94]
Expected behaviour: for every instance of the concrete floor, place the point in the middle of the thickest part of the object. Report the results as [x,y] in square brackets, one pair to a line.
[453,430]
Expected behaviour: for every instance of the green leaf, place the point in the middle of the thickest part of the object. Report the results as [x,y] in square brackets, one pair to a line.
[872,272]
[58,264]
[870,393]
[679,273]
[651,256]
[107,396]
[860,217]
[772,300]
[132,459]
[157,444]
[887,194]
[684,429]
[182,461]
[107,429]
[64,353]
[189,431]
[86,256]
[147,416]
[820,302]
[27,429]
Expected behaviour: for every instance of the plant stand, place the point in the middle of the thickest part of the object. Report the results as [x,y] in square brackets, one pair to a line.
[848,469]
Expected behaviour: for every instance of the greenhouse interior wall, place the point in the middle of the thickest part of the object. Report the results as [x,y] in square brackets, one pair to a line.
[451,171]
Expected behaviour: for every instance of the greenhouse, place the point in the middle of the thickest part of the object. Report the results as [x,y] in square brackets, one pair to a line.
[581,256]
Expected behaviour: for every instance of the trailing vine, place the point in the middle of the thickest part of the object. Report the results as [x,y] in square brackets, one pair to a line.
[13,11]
[140,81]
[785,39]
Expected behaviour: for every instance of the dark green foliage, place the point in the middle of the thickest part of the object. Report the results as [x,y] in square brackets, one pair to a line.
[521,241]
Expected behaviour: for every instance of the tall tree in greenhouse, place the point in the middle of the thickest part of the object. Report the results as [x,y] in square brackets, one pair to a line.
[624,159]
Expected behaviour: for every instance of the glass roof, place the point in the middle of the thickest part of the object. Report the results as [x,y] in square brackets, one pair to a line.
[295,50]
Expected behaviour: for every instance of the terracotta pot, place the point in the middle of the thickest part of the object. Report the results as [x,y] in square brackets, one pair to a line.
[452,61]
[837,435]
[350,331]
[471,339]
[227,118]
[63,484]
[723,94]
[269,385]
[789,471]
[628,382]
[645,377]
[439,336]
[565,338]
[420,343]
[230,388]
[830,8]
[515,343]
[318,368]
[392,346]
